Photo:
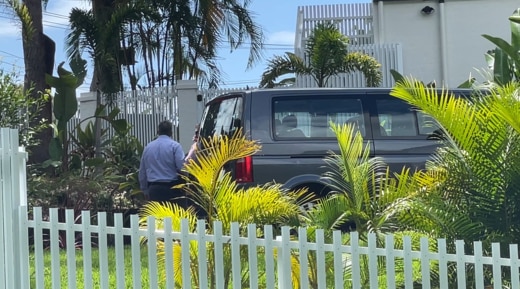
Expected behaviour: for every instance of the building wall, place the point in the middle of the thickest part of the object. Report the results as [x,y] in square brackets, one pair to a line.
[447,45]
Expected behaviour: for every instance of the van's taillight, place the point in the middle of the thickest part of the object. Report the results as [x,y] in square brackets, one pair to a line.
[244,170]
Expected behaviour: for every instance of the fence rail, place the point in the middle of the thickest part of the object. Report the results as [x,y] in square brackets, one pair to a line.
[283,261]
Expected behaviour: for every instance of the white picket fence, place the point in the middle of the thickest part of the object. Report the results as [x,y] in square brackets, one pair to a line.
[282,261]
[31,255]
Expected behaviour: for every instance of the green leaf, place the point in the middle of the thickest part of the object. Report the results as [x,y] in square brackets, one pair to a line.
[120,125]
[507,48]
[501,68]
[398,77]
[55,149]
[94,162]
[65,102]
[112,115]
[468,83]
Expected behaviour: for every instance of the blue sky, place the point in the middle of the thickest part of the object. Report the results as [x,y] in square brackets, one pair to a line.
[276,17]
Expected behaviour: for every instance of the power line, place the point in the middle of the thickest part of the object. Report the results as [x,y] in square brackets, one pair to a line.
[10,54]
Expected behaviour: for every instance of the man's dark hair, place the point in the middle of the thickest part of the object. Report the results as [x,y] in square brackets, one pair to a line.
[165,128]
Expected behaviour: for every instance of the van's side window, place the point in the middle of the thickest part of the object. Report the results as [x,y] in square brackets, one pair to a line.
[222,117]
[310,117]
[399,119]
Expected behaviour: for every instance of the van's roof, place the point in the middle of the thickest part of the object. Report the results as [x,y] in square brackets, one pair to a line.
[315,89]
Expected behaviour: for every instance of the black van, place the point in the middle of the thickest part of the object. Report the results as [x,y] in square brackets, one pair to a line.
[292,126]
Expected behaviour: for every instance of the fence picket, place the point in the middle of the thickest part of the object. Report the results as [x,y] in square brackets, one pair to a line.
[219,255]
[103,250]
[443,263]
[320,259]
[338,259]
[497,268]
[284,260]
[461,264]
[236,274]
[151,241]
[185,256]
[119,250]
[372,260]
[354,259]
[515,264]
[55,249]
[23,253]
[70,249]
[390,261]
[39,266]
[168,253]
[202,254]
[86,243]
[408,262]
[253,255]
[304,266]
[135,242]
[269,258]
[425,263]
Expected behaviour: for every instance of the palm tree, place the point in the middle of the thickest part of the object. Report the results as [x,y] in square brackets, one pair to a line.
[327,55]
[36,47]
[218,197]
[367,199]
[99,36]
[183,43]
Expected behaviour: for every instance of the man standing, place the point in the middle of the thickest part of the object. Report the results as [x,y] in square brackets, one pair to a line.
[160,166]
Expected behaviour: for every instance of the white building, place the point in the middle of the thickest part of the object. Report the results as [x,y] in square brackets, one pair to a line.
[431,40]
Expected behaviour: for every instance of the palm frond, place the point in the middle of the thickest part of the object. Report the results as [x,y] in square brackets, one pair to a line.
[282,65]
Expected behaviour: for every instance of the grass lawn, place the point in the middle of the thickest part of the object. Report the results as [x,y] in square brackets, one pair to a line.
[95,269]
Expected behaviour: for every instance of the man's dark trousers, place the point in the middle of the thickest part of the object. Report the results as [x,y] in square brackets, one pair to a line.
[163,192]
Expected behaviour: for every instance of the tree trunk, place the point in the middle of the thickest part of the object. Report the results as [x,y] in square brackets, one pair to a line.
[38,59]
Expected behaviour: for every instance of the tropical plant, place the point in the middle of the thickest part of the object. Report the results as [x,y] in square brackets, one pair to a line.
[477,169]
[475,175]
[365,198]
[218,196]
[18,110]
[504,59]
[326,55]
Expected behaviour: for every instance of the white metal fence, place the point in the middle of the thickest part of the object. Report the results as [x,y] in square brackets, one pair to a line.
[145,109]
[354,20]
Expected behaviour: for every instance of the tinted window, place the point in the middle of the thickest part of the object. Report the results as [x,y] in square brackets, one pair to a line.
[222,117]
[309,117]
[397,118]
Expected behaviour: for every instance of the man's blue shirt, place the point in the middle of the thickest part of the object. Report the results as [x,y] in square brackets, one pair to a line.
[162,159]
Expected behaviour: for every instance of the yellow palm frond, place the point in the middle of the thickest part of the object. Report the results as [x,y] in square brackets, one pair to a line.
[163,210]
[218,151]
[265,204]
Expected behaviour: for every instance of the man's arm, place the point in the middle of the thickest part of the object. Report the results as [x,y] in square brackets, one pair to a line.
[179,158]
[143,179]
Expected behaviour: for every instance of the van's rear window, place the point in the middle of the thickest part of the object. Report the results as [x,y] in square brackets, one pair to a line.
[222,117]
